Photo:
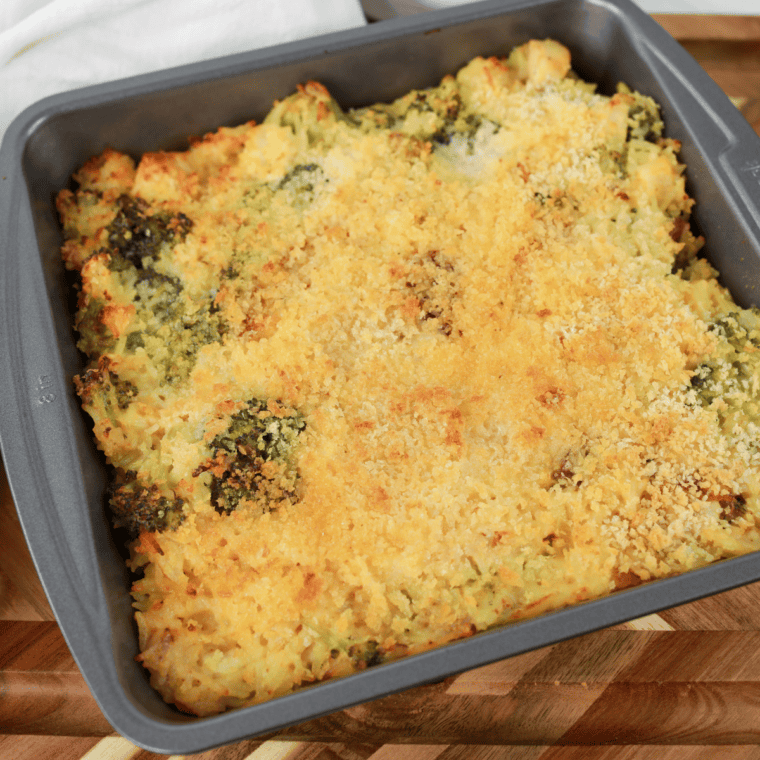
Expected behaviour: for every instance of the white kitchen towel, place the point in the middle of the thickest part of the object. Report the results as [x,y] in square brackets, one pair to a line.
[50,46]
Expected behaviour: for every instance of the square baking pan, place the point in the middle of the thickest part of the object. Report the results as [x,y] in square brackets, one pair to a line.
[57,476]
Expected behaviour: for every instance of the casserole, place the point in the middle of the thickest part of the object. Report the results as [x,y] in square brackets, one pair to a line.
[56,476]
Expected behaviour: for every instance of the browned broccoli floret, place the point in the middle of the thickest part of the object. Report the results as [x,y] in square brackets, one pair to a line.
[135,241]
[365,655]
[139,507]
[252,460]
[101,386]
[135,235]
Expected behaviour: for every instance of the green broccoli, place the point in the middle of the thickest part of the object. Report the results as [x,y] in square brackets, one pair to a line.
[139,507]
[135,236]
[644,120]
[189,333]
[101,386]
[614,162]
[732,373]
[173,328]
[428,115]
[301,183]
[136,240]
[252,460]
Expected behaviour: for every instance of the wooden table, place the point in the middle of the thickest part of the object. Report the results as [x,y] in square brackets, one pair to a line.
[682,684]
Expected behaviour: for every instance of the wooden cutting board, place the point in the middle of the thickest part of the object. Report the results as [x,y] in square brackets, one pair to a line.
[682,684]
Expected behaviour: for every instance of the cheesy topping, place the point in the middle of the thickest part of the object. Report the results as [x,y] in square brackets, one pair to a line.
[372,381]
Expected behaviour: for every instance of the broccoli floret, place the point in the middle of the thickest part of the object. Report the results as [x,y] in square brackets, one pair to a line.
[157,293]
[728,382]
[168,326]
[614,162]
[189,333]
[139,507]
[474,124]
[135,236]
[170,329]
[229,273]
[154,295]
[644,121]
[428,115]
[251,461]
[301,183]
[171,334]
[431,102]
[264,432]
[729,372]
[300,178]
[365,655]
[102,387]
[468,129]
[95,336]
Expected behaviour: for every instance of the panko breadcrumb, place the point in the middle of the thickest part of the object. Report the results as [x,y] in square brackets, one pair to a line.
[374,380]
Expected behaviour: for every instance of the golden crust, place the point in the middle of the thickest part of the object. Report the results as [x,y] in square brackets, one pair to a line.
[406,373]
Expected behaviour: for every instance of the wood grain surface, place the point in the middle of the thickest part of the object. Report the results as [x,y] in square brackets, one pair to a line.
[681,684]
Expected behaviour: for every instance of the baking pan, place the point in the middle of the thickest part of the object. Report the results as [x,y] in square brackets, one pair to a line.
[58,477]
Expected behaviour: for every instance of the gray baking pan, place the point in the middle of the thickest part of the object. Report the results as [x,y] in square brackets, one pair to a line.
[56,474]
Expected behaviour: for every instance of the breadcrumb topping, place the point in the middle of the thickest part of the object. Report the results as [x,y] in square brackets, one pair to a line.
[374,380]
